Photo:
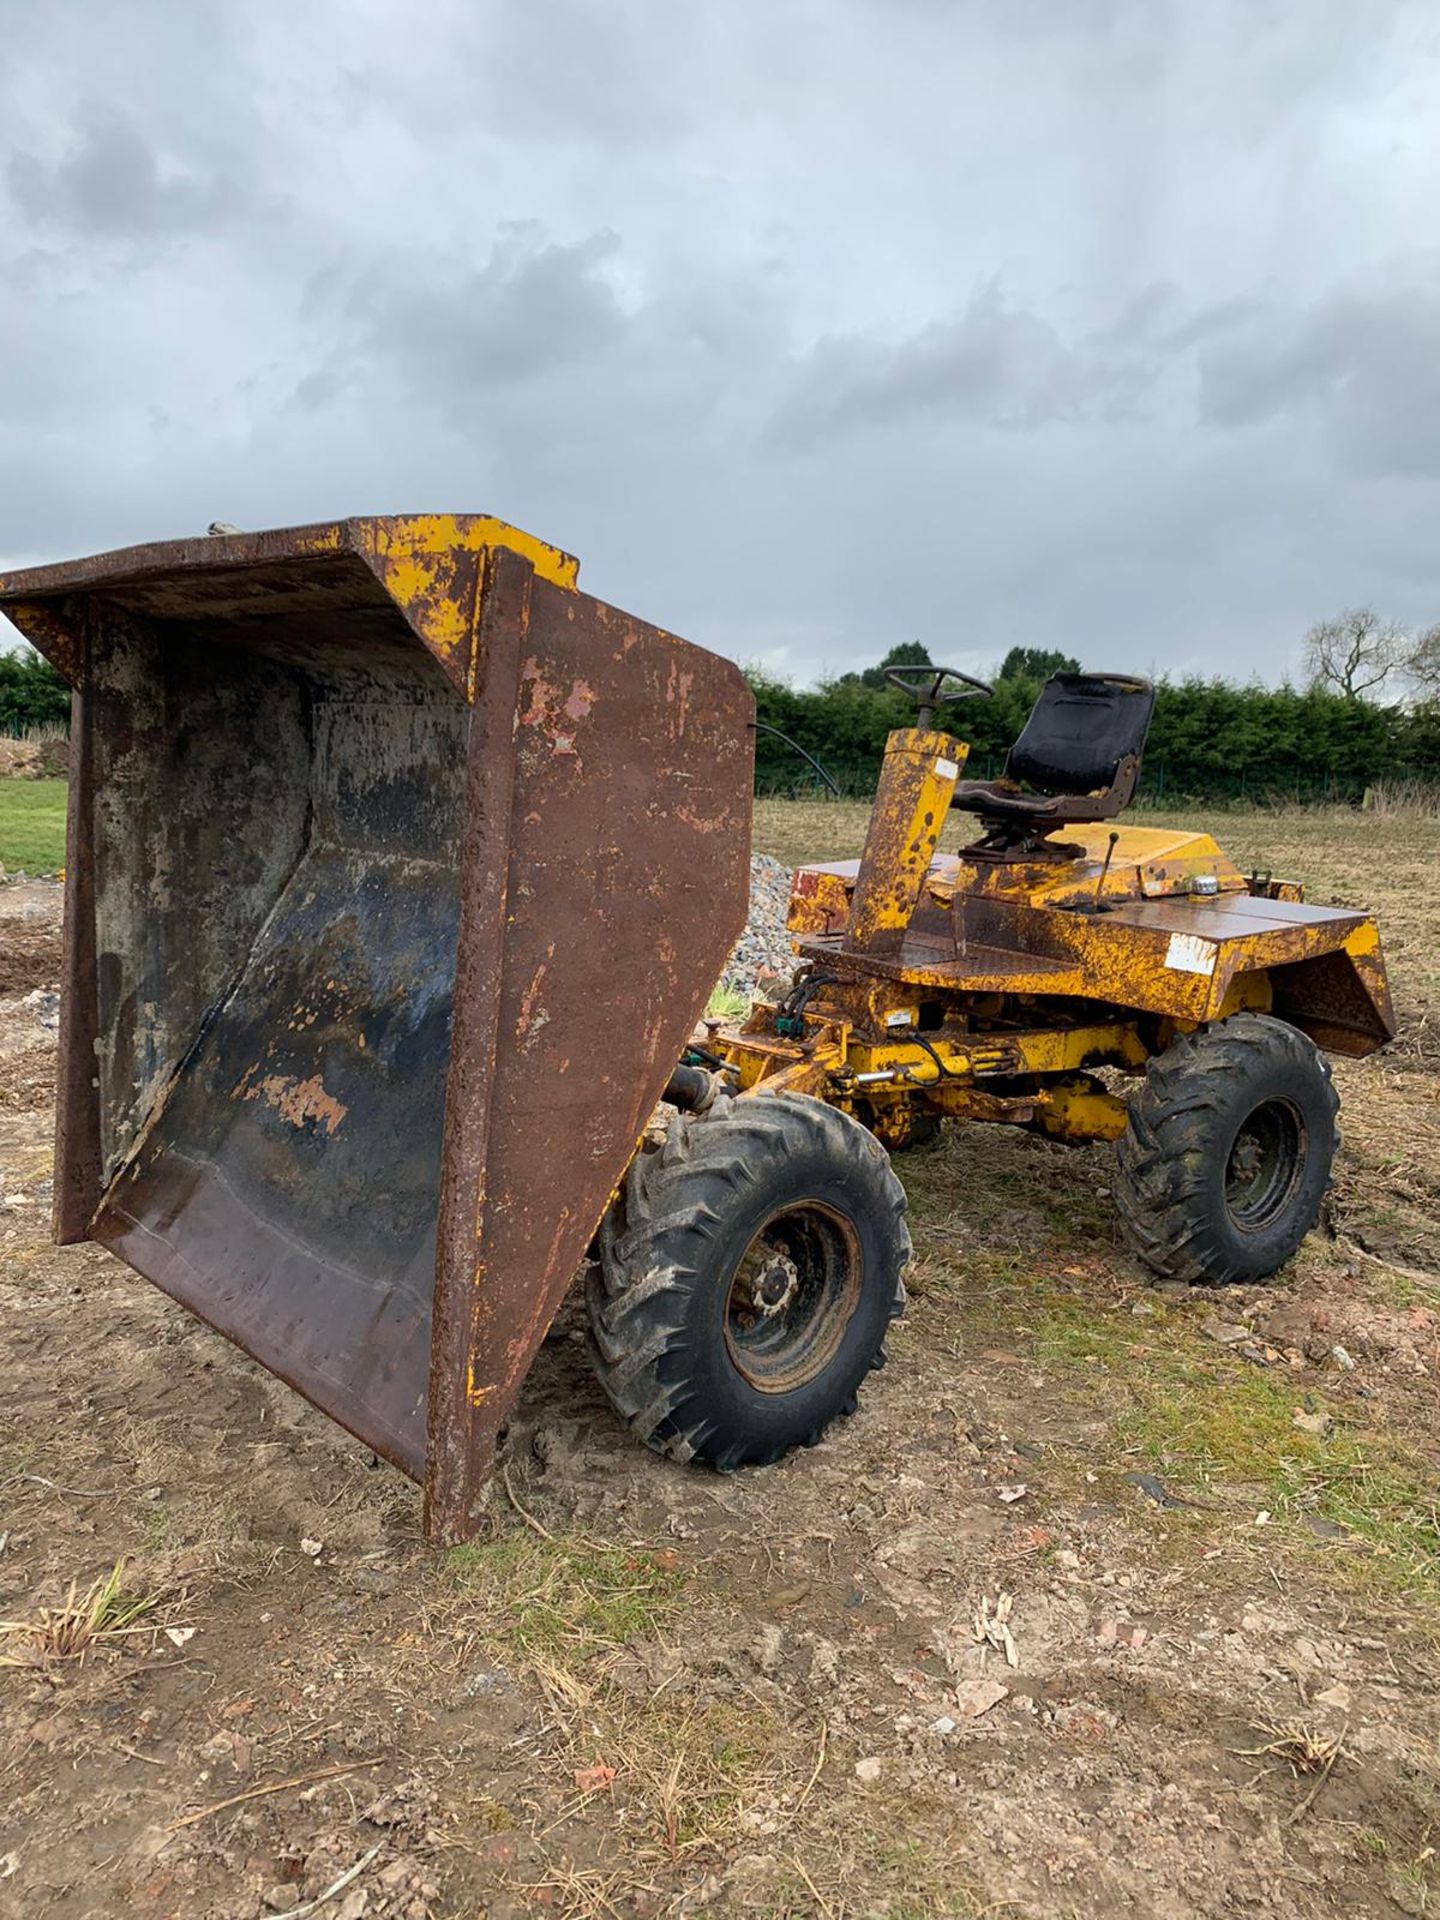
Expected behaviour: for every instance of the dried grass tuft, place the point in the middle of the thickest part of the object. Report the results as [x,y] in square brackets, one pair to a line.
[82,1623]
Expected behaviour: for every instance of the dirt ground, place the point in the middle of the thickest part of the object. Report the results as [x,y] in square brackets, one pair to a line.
[1204,1522]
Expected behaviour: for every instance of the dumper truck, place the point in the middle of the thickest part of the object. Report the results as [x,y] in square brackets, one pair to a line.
[399,872]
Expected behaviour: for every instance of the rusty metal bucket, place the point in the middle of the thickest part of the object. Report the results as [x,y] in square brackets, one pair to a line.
[399,871]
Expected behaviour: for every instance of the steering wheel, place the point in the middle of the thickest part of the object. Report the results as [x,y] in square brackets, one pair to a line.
[928,687]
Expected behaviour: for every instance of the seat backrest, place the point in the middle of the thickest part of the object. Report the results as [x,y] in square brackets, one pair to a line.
[1080,730]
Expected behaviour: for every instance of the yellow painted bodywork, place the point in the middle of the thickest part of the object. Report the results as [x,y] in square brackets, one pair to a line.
[839,1049]
[1147,863]
[1028,927]
[434,566]
[912,802]
[957,1078]
[990,987]
[1077,1109]
[970,1077]
[416,535]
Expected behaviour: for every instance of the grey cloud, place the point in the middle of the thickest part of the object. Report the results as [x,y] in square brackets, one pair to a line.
[456,335]
[534,304]
[563,333]
[995,365]
[620,76]
[1284,361]
[110,180]
[1361,365]
[1217,318]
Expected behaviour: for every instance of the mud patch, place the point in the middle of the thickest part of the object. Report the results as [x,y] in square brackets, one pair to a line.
[29,936]
[29,957]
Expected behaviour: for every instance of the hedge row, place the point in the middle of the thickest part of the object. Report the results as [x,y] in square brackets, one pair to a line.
[1209,739]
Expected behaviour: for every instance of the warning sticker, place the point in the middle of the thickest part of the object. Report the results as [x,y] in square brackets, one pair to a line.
[946,769]
[1188,953]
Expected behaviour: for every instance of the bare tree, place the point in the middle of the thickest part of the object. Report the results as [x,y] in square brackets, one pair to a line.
[1355,653]
[1423,665]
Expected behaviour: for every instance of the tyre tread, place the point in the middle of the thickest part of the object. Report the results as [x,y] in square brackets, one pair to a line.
[651,1251]
[1162,1158]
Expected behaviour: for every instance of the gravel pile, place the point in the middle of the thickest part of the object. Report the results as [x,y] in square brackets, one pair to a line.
[765,945]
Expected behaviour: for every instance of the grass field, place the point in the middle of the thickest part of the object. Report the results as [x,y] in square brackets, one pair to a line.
[32,826]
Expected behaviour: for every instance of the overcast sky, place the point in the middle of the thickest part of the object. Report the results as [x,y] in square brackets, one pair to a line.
[810,325]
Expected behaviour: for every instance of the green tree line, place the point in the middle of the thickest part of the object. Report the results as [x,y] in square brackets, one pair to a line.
[32,693]
[1209,739]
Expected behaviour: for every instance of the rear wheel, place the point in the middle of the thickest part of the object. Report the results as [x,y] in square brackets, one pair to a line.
[1228,1151]
[748,1271]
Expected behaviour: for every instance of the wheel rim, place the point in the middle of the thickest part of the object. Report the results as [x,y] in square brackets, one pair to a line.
[1266,1161]
[792,1297]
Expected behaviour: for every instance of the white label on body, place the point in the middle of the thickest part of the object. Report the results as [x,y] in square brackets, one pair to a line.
[1188,953]
[946,769]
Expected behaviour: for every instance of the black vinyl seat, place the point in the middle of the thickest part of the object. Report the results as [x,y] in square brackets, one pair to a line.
[1077,758]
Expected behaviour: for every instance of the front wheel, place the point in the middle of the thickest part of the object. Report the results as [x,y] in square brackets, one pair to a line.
[1228,1150]
[749,1270]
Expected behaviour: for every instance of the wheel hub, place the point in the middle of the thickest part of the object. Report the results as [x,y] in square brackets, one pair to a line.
[1267,1159]
[792,1296]
[769,1279]
[1245,1160]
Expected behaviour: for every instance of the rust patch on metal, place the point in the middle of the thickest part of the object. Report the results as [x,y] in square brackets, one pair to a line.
[820,898]
[77,1099]
[49,633]
[532,1014]
[301,1102]
[557,711]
